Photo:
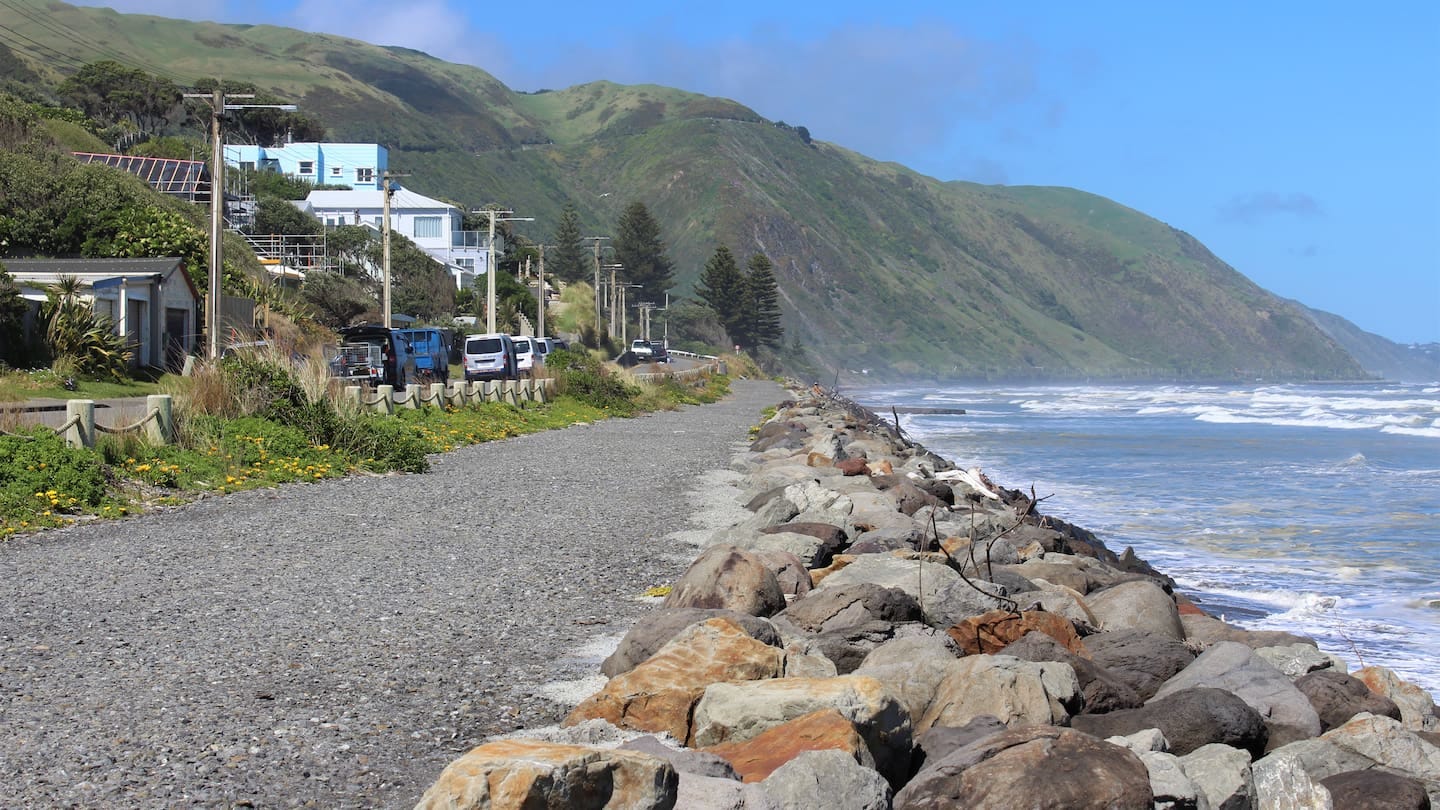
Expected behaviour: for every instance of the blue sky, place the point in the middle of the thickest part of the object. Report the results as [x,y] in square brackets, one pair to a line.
[1299,141]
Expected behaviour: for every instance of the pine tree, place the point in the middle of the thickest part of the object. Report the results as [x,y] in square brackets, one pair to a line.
[569,260]
[722,288]
[639,248]
[762,295]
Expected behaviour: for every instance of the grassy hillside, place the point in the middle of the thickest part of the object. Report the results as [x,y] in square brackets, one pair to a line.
[879,267]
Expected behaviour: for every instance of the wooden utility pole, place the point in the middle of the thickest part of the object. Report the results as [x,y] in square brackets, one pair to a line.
[597,240]
[387,191]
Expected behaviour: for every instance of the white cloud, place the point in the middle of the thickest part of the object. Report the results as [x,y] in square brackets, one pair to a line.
[433,26]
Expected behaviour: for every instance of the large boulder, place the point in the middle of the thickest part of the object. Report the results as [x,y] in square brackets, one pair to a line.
[789,571]
[1032,767]
[939,741]
[659,693]
[1375,790]
[908,496]
[1189,719]
[1283,784]
[683,760]
[1103,692]
[1417,708]
[1208,631]
[698,792]
[995,630]
[847,647]
[1337,697]
[1390,743]
[828,779]
[741,711]
[1296,660]
[1140,660]
[1171,787]
[657,627]
[823,730]
[841,606]
[1222,774]
[810,550]
[1137,605]
[943,597]
[1016,692]
[727,577]
[1236,668]
[911,669]
[528,773]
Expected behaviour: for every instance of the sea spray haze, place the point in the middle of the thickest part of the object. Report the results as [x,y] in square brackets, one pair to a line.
[1314,509]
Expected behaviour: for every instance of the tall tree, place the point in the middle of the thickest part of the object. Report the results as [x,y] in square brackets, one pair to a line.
[639,248]
[13,349]
[763,296]
[569,260]
[111,92]
[722,288]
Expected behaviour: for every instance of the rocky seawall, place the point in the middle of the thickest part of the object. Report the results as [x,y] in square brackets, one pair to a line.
[884,630]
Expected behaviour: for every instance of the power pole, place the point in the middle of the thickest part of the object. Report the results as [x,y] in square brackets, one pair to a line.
[218,105]
[540,297]
[490,264]
[597,240]
[387,191]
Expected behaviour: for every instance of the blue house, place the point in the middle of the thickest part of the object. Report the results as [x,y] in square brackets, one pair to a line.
[353,165]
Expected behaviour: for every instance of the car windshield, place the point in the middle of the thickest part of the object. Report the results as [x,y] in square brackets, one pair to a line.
[522,346]
[483,346]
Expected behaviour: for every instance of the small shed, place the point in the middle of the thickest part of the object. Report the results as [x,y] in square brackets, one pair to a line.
[152,302]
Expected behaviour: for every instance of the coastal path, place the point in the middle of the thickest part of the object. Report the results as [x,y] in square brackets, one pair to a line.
[337,644]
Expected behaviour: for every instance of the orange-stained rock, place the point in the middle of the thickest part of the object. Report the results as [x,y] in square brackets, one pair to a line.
[658,694]
[1187,607]
[853,466]
[991,632]
[755,758]
[882,467]
[818,460]
[531,774]
[837,562]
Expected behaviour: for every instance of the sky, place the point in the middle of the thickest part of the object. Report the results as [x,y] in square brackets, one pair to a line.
[1299,141]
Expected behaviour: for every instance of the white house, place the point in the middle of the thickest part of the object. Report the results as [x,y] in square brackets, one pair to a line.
[356,165]
[434,226]
[152,303]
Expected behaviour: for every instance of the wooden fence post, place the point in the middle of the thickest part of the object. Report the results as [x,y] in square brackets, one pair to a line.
[161,429]
[82,432]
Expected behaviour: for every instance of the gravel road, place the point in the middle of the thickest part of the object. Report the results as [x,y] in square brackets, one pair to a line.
[337,644]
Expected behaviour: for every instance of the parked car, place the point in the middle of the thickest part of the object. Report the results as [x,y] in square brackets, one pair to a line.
[662,355]
[489,357]
[544,346]
[524,353]
[430,350]
[373,355]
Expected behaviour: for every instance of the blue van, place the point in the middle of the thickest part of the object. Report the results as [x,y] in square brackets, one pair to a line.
[429,347]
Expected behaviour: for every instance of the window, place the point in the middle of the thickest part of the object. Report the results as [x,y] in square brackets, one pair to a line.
[365,175]
[336,171]
[247,165]
[427,227]
[307,167]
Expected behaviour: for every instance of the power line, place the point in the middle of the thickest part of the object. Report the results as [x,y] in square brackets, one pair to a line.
[53,54]
[74,39]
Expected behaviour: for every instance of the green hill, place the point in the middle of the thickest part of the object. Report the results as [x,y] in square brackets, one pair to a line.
[879,267]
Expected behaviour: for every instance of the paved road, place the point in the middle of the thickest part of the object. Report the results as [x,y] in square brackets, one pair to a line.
[337,644]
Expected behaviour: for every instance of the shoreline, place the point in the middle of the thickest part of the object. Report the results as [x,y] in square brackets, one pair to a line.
[828,594]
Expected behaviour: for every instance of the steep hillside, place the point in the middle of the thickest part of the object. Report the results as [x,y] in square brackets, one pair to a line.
[879,267]
[1380,356]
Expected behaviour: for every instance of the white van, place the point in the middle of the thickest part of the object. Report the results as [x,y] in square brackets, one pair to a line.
[525,353]
[489,357]
[544,346]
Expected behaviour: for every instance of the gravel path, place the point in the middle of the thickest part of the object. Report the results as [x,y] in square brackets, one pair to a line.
[337,644]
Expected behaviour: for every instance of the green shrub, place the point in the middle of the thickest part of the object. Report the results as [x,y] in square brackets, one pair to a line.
[44,475]
[586,379]
[383,442]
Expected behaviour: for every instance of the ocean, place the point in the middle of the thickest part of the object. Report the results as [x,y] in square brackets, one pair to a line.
[1308,508]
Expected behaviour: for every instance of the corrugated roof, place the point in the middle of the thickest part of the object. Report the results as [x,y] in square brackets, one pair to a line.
[371,198]
[90,267]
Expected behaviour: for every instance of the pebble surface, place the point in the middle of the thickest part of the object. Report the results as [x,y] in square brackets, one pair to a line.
[337,644]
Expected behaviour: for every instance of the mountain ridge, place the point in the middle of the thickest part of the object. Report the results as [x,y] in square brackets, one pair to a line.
[878,266]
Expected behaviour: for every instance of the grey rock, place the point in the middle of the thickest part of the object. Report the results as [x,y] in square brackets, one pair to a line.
[939,741]
[848,605]
[698,792]
[1236,668]
[1137,605]
[1171,787]
[911,669]
[1103,692]
[1188,718]
[1376,790]
[1283,785]
[683,760]
[1222,773]
[830,779]
[1295,660]
[655,628]
[1140,660]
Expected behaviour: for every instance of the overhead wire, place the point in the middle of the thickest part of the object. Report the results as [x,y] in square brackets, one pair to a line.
[28,43]
[39,20]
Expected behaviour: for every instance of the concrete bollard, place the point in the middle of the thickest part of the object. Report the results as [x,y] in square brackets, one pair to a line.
[437,394]
[492,391]
[82,433]
[541,395]
[507,393]
[409,397]
[161,429]
[386,395]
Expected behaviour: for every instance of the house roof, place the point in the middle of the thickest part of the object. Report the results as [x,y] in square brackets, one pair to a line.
[371,198]
[184,178]
[94,272]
